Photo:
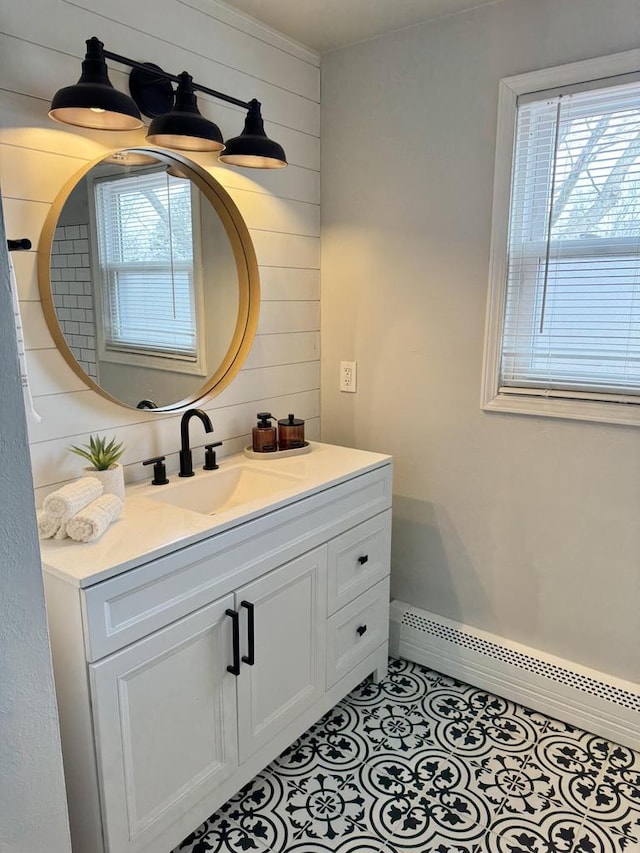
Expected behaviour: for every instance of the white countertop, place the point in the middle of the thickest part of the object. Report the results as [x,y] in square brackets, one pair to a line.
[149,528]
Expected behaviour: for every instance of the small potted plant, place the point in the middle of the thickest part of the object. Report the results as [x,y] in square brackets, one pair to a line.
[104,463]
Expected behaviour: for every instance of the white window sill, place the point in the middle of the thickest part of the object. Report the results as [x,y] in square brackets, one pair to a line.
[151,361]
[581,410]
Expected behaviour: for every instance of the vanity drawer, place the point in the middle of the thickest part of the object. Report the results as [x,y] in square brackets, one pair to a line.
[356,630]
[358,558]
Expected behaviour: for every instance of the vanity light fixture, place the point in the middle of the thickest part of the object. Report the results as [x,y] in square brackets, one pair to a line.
[176,120]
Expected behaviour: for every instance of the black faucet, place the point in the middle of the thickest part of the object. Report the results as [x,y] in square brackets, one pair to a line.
[186,461]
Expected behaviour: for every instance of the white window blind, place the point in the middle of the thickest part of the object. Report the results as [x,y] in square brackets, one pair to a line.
[572,313]
[144,227]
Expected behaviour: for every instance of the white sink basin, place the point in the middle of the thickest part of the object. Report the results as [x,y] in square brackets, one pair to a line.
[227,488]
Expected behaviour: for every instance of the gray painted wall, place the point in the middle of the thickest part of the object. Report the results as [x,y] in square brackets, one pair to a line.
[33,809]
[526,527]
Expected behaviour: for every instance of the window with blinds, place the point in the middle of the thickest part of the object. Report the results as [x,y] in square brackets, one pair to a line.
[144,230]
[571,325]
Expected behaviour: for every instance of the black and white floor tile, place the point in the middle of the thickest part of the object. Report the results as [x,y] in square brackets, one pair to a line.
[422,763]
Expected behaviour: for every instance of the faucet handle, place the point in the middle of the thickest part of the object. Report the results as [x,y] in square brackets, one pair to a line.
[159,470]
[210,463]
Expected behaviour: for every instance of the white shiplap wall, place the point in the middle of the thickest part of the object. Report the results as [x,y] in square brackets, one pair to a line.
[41,46]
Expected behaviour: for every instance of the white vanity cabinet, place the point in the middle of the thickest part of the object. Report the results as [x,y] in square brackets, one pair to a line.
[180,678]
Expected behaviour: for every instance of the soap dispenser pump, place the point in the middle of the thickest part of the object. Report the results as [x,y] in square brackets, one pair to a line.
[264,434]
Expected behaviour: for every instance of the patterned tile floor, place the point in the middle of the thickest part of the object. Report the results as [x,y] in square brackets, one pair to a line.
[423,763]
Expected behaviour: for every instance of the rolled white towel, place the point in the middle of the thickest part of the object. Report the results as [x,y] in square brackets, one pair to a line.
[48,526]
[70,499]
[92,521]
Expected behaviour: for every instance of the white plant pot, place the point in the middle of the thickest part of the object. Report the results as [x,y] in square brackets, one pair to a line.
[112,479]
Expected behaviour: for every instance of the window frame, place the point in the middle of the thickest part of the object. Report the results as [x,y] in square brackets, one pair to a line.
[578,405]
[149,358]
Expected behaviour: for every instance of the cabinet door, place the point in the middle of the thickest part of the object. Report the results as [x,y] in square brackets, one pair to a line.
[289,611]
[165,725]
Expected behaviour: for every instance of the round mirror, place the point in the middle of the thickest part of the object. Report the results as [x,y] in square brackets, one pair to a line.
[148,279]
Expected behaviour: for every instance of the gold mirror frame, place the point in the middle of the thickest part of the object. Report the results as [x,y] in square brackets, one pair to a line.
[246,265]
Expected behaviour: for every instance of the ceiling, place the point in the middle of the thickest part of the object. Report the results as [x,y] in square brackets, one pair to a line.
[325,25]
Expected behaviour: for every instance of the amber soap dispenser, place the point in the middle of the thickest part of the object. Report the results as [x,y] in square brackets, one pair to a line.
[264,434]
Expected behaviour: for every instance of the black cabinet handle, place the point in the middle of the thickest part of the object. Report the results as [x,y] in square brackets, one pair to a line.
[361,629]
[251,657]
[364,559]
[235,619]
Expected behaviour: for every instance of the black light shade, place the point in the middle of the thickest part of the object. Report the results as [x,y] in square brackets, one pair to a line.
[92,101]
[253,148]
[184,127]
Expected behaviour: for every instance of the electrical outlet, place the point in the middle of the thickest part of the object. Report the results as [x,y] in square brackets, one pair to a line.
[348,376]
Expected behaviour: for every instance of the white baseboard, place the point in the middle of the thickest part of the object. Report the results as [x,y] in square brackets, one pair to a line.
[562,689]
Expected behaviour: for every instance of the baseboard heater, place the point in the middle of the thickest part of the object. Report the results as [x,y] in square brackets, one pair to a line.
[562,689]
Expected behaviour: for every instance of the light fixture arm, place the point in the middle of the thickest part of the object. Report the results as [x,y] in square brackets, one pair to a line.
[174,78]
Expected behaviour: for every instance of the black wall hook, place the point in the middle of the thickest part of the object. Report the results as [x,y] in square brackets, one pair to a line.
[22,245]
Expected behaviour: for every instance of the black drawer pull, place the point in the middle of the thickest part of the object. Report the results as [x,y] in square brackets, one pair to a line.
[251,657]
[361,629]
[235,619]
[364,559]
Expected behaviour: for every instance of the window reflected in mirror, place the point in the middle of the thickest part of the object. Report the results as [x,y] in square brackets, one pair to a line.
[151,288]
[148,266]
